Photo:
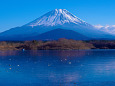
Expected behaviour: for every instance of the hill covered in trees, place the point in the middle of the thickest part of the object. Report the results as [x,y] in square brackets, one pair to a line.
[61,44]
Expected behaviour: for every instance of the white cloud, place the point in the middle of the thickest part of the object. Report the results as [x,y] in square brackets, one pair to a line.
[108,28]
[98,26]
[113,25]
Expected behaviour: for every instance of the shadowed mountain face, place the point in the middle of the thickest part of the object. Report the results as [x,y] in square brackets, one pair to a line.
[58,18]
[60,33]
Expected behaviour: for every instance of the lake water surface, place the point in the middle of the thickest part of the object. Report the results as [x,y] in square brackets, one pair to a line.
[57,68]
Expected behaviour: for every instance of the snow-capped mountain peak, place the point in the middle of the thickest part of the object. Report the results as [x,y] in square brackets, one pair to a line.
[53,20]
[56,17]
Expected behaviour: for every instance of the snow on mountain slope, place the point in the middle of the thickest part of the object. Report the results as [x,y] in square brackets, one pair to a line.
[56,17]
[61,18]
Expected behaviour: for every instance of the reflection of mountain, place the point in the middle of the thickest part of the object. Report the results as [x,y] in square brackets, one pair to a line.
[95,68]
[8,53]
[69,55]
[62,54]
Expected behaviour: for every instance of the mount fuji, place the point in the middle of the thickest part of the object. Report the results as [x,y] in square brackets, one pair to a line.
[50,22]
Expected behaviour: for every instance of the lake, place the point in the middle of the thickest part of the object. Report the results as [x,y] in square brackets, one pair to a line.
[57,68]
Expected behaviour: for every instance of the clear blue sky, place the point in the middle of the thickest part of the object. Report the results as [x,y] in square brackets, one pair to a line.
[15,13]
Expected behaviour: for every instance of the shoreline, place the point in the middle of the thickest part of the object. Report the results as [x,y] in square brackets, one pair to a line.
[61,44]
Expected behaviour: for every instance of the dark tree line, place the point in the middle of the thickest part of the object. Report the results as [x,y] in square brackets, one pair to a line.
[61,44]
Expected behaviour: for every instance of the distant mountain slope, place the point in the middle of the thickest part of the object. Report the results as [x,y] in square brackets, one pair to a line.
[60,33]
[58,18]
[108,28]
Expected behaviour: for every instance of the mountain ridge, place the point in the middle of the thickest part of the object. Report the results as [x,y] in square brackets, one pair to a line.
[58,18]
[60,33]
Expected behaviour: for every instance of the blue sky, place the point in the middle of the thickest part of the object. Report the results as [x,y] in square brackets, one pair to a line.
[15,13]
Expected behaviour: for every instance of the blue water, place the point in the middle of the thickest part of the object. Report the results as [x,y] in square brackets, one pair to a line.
[57,68]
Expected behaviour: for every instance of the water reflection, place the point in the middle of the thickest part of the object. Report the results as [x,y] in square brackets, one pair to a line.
[57,68]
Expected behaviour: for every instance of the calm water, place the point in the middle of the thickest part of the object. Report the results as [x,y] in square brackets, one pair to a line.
[57,68]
